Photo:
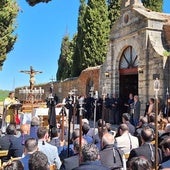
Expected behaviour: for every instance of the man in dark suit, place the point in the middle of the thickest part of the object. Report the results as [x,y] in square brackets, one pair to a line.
[16,147]
[146,150]
[166,149]
[114,105]
[55,140]
[165,134]
[90,159]
[136,113]
[109,155]
[5,141]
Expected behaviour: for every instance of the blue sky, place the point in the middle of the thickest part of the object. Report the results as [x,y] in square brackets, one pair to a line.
[40,30]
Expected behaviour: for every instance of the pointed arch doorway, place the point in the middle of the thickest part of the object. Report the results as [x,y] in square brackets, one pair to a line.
[128,72]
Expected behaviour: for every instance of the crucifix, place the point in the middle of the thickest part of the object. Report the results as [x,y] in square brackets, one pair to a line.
[52,85]
[74,93]
[32,74]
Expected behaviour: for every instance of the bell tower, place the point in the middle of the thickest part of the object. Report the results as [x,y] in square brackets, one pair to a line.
[130,3]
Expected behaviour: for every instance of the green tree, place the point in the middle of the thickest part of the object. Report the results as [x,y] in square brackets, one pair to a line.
[154,5]
[97,28]
[8,13]
[114,10]
[72,52]
[3,94]
[34,2]
[79,40]
[65,60]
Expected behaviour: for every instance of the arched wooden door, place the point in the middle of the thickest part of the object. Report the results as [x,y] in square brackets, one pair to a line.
[128,71]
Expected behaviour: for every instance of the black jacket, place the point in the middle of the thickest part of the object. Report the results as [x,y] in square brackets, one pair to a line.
[146,150]
[111,157]
[70,163]
[91,165]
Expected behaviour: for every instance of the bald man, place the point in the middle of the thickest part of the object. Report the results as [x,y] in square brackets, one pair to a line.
[147,149]
[109,155]
[126,142]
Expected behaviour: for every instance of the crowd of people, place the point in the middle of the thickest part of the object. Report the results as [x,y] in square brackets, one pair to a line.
[128,145]
[32,148]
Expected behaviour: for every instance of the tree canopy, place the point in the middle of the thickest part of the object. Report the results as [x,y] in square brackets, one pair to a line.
[76,70]
[97,28]
[154,5]
[91,42]
[114,10]
[65,61]
[8,13]
[34,2]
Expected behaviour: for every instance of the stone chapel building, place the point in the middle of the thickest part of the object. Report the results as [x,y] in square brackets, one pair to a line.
[139,41]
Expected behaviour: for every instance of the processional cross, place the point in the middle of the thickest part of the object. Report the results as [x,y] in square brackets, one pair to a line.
[51,85]
[32,74]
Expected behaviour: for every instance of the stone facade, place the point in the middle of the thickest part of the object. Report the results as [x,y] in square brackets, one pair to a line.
[142,30]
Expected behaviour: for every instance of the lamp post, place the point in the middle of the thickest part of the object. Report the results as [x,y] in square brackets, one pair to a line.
[106,74]
[156,89]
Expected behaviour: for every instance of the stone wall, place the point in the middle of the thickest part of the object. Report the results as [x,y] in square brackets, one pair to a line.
[166,36]
[142,30]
